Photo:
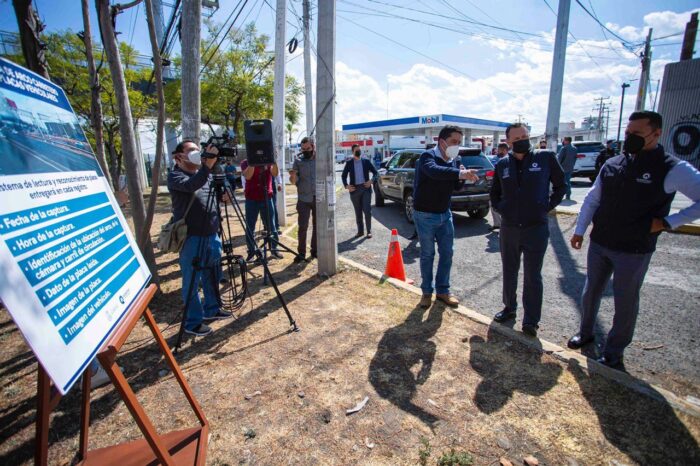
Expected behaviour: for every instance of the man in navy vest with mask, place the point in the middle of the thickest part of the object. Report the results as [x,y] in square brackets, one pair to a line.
[629,205]
[439,172]
[521,194]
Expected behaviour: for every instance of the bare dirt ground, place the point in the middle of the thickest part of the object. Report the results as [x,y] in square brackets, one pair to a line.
[435,380]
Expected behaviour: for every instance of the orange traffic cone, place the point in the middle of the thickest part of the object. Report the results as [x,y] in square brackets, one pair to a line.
[394,260]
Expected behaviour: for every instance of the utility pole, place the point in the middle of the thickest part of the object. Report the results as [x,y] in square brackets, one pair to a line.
[278,104]
[325,144]
[557,82]
[644,78]
[607,120]
[622,103]
[191,36]
[691,30]
[170,133]
[308,93]
[601,111]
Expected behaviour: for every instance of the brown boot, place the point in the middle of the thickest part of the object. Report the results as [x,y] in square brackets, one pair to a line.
[448,299]
[426,300]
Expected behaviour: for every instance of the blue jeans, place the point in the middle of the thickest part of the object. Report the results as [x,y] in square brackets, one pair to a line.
[433,228]
[628,271]
[567,181]
[207,250]
[253,209]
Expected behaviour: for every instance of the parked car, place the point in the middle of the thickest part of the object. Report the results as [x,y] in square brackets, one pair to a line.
[586,155]
[395,182]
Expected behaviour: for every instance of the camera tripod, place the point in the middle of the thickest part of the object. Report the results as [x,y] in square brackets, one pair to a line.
[270,242]
[228,260]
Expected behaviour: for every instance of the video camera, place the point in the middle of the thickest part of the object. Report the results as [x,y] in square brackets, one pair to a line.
[224,144]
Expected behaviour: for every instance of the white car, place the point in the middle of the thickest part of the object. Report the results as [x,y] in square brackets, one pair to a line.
[586,154]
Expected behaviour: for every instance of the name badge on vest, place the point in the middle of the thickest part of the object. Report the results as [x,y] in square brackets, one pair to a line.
[535,168]
[645,179]
[506,173]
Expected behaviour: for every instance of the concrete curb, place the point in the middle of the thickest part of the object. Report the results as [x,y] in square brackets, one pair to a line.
[547,347]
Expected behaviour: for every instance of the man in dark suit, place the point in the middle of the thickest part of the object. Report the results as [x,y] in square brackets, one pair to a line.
[360,188]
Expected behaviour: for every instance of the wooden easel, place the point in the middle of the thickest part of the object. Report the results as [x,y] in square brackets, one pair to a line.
[188,446]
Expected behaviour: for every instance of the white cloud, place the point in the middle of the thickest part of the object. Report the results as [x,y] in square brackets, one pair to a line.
[663,22]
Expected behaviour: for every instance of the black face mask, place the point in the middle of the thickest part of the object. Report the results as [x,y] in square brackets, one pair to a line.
[358,154]
[307,154]
[522,146]
[633,144]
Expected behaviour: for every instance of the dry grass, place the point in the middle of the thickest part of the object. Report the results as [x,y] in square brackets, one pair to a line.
[431,374]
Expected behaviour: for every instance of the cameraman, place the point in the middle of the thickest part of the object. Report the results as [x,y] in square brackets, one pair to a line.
[258,190]
[189,182]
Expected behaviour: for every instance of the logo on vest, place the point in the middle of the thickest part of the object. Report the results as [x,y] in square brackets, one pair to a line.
[506,173]
[645,179]
[534,167]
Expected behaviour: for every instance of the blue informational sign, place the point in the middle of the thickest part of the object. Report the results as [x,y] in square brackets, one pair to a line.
[69,266]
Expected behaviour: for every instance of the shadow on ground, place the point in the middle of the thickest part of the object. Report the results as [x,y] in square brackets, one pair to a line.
[499,382]
[401,348]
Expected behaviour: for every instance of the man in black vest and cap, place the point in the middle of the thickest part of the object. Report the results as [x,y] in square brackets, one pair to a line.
[521,194]
[629,205]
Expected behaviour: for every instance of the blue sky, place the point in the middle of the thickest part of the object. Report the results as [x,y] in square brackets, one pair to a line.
[406,58]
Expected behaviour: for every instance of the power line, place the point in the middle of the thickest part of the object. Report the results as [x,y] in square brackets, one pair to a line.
[602,29]
[582,47]
[245,2]
[595,18]
[470,34]
[425,55]
[216,37]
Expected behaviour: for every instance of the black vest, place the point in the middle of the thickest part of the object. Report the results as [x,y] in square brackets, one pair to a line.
[525,203]
[632,195]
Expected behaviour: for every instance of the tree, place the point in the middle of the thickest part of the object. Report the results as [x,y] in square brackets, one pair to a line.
[126,127]
[29,29]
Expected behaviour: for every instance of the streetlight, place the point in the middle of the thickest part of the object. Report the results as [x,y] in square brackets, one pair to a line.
[622,101]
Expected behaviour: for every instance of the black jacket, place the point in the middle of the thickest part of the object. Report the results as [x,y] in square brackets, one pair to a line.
[520,190]
[350,169]
[202,220]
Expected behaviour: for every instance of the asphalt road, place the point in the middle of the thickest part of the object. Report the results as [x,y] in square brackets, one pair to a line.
[666,347]
[38,156]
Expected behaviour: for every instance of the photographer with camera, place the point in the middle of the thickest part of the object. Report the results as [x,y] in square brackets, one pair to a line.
[259,202]
[189,184]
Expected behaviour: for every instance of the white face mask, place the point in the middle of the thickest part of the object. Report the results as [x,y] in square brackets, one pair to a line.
[195,157]
[452,152]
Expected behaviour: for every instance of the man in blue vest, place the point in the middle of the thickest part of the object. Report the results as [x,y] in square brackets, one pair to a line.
[521,194]
[439,172]
[629,205]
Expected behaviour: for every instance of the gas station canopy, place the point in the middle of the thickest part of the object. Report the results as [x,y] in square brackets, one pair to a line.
[429,126]
[416,126]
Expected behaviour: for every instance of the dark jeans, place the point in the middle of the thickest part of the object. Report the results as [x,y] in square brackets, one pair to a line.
[531,243]
[628,271]
[567,181]
[253,209]
[306,210]
[361,199]
[209,248]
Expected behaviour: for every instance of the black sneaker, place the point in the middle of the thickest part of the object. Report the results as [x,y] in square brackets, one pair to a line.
[250,257]
[218,316]
[276,255]
[200,330]
[299,258]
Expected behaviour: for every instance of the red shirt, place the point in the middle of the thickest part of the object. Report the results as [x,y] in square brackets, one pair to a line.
[253,187]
